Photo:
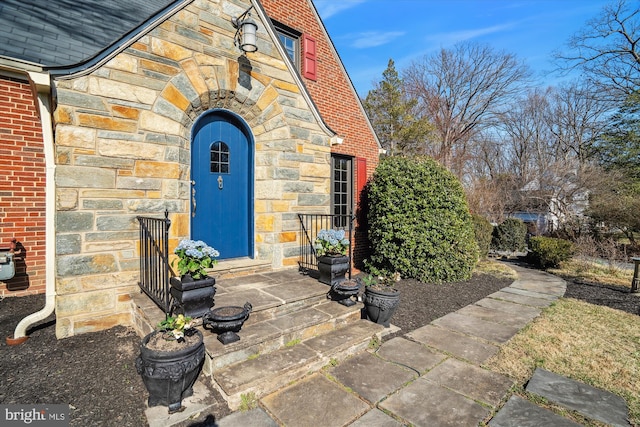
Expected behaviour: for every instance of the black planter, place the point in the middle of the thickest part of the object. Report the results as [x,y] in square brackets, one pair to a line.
[343,291]
[169,375]
[227,321]
[192,298]
[332,269]
[380,304]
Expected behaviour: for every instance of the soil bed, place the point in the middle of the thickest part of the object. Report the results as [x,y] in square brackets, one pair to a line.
[95,373]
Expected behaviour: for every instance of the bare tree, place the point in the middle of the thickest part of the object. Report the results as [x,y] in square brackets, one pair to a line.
[527,142]
[607,50]
[460,90]
[576,118]
[534,161]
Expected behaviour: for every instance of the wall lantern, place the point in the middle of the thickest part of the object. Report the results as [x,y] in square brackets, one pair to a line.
[246,28]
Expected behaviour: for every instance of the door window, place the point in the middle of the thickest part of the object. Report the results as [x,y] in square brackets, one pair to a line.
[220,157]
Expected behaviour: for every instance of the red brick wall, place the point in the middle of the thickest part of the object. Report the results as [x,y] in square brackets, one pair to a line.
[333,95]
[22,187]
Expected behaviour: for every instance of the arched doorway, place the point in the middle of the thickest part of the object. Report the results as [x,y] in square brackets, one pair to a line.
[222,183]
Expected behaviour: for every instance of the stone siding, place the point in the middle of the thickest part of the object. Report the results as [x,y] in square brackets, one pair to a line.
[123,137]
[337,101]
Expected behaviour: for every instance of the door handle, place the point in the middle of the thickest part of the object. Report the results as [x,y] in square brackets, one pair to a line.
[220,182]
[193,198]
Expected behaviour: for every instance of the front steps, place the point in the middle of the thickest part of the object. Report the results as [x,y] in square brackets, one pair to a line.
[292,331]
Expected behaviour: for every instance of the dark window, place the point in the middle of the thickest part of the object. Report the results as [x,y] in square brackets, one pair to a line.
[219,157]
[290,45]
[290,40]
[342,189]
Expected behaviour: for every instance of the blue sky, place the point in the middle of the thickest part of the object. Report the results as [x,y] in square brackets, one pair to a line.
[367,33]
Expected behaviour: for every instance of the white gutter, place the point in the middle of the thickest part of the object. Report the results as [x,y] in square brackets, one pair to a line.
[41,86]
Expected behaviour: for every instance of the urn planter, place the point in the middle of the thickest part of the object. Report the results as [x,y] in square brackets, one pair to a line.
[332,269]
[169,374]
[380,304]
[343,291]
[192,298]
[227,321]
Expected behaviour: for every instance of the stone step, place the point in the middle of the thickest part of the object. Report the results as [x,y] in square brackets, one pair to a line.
[145,313]
[266,373]
[294,291]
[280,330]
[239,267]
[293,329]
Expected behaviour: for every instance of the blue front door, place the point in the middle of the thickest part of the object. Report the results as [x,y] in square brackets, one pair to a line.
[222,184]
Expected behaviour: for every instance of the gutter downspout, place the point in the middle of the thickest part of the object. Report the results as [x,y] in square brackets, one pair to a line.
[41,86]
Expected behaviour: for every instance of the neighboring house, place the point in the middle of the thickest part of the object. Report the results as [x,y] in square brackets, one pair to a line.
[113,110]
[551,203]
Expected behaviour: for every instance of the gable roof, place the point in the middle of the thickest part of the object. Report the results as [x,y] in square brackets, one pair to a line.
[85,40]
[63,33]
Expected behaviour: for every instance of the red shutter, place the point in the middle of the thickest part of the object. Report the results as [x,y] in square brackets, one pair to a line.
[361,174]
[309,61]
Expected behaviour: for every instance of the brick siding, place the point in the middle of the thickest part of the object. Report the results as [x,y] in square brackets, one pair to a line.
[22,187]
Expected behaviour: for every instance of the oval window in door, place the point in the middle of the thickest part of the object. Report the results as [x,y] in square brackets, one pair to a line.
[220,157]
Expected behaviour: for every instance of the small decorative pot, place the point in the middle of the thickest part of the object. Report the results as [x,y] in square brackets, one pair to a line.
[192,298]
[227,321]
[343,291]
[332,269]
[381,304]
[169,375]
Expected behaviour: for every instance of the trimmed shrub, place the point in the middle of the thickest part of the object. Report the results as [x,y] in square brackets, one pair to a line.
[483,231]
[510,235]
[547,252]
[419,222]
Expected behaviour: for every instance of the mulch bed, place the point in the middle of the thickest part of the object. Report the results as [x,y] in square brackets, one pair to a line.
[95,373]
[611,296]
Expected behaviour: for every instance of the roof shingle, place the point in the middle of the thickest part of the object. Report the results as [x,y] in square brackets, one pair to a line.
[59,33]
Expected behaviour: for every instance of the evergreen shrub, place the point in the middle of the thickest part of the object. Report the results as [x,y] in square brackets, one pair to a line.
[419,221]
[510,235]
[483,231]
[549,252]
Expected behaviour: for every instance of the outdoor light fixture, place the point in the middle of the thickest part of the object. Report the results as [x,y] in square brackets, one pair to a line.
[246,28]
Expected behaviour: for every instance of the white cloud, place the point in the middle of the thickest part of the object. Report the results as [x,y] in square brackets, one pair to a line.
[328,8]
[373,39]
[454,37]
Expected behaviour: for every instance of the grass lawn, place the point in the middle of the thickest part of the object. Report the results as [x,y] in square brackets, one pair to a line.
[595,272]
[594,344]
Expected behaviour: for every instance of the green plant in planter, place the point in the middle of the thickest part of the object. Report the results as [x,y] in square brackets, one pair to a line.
[331,242]
[381,298]
[173,328]
[381,280]
[194,257]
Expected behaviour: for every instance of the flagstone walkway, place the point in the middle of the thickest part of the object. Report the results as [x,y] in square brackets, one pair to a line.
[433,377]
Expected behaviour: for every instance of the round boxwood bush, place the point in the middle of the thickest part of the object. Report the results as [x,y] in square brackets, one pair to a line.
[419,222]
[510,236]
[483,231]
[549,252]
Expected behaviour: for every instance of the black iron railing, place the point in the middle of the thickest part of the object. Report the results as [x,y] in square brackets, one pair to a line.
[310,226]
[154,259]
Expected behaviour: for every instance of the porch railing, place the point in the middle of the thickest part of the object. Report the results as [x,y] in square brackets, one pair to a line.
[310,226]
[154,259]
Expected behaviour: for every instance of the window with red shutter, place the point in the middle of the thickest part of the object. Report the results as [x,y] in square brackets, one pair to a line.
[361,173]
[309,60]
